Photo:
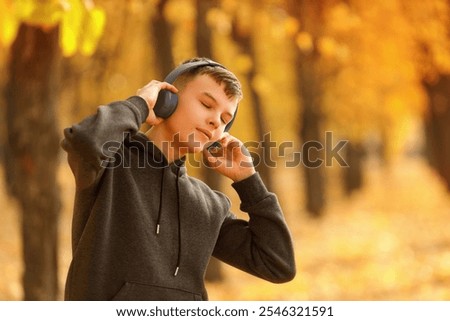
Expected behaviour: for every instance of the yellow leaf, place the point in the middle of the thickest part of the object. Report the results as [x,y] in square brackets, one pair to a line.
[93,29]
[291,26]
[243,63]
[71,25]
[219,20]
[327,46]
[261,84]
[304,41]
[8,24]
[24,8]
[45,14]
[178,11]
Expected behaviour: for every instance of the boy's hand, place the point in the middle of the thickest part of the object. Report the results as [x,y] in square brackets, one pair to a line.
[150,94]
[231,159]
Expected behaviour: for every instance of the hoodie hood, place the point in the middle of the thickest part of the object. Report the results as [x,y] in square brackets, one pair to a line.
[155,157]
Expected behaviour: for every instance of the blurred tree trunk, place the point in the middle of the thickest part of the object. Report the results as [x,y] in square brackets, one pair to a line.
[203,31]
[3,72]
[204,49]
[162,40]
[243,38]
[214,272]
[310,81]
[353,175]
[32,154]
[437,126]
[310,132]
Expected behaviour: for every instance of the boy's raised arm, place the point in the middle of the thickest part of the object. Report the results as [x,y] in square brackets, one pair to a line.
[96,138]
[92,138]
[263,245]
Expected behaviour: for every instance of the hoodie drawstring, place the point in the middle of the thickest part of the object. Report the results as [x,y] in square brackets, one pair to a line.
[158,222]
[179,221]
[160,202]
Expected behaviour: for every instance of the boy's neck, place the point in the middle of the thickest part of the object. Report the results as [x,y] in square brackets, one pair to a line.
[165,145]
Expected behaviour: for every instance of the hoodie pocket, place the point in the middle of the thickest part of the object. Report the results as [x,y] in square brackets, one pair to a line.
[132,291]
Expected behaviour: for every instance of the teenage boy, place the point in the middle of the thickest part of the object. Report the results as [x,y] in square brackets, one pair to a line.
[145,230]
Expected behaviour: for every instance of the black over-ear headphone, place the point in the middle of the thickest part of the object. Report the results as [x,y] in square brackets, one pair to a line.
[167,101]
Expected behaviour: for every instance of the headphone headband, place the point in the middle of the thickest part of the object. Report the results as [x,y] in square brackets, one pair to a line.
[174,74]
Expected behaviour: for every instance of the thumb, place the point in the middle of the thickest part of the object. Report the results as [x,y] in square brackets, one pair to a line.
[152,119]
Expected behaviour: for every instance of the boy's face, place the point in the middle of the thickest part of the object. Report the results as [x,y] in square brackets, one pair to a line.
[202,113]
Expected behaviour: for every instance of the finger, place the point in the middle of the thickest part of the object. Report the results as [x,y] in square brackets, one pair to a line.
[154,86]
[151,91]
[152,119]
[229,142]
[227,151]
[168,86]
[211,160]
[215,145]
[214,149]
[153,83]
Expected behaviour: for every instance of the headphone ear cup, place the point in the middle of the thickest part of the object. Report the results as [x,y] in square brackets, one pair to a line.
[228,126]
[166,103]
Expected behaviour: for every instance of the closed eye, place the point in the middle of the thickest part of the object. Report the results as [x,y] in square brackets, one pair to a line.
[205,105]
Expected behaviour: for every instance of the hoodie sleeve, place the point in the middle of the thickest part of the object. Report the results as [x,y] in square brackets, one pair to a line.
[92,143]
[263,245]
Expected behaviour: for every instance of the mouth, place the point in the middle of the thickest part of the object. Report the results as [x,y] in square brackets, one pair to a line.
[205,132]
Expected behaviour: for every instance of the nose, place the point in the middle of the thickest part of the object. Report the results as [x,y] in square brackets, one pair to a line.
[214,121]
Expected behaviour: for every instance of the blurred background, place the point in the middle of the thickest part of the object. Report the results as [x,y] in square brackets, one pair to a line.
[368,81]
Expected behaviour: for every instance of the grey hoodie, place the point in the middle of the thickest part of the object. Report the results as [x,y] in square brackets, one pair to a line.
[144,230]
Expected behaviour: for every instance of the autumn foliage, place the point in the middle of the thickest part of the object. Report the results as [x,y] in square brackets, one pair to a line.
[375,74]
